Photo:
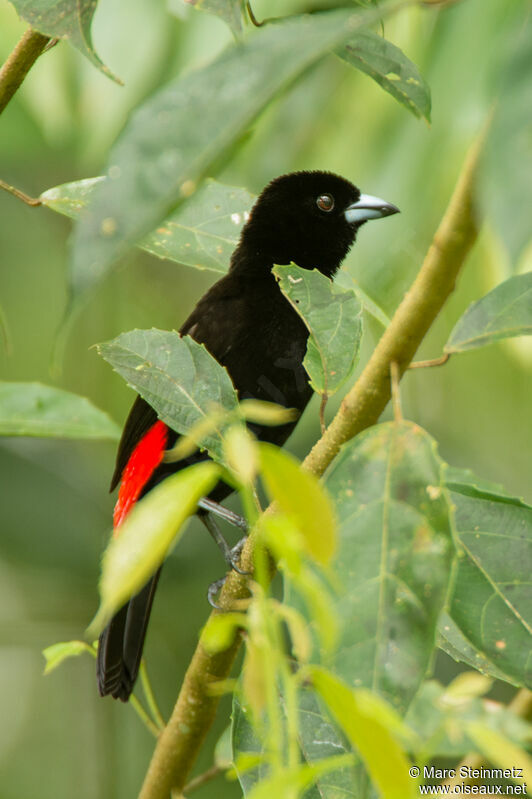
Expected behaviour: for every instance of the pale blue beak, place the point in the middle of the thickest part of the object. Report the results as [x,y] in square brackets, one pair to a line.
[369,207]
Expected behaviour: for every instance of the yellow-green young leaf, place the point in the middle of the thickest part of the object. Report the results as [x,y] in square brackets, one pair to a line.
[298,629]
[500,751]
[371,733]
[219,632]
[285,542]
[254,679]
[321,609]
[241,454]
[468,685]
[269,413]
[301,497]
[146,536]
[56,653]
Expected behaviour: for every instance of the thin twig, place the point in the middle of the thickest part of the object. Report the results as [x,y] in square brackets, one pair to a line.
[201,779]
[33,201]
[195,709]
[19,63]
[150,697]
[433,362]
[396,392]
[144,717]
[323,405]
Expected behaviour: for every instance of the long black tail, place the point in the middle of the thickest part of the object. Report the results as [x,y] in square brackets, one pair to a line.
[121,643]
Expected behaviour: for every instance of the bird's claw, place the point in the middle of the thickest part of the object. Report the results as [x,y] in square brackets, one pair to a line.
[213,589]
[233,558]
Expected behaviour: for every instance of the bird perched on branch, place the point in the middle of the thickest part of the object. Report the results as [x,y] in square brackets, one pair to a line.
[245,322]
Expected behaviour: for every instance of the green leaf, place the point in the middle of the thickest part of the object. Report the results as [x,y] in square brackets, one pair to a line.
[321,738]
[31,409]
[503,313]
[334,319]
[246,746]
[294,781]
[300,496]
[145,537]
[372,728]
[505,179]
[172,140]
[177,376]
[57,653]
[453,641]
[201,233]
[228,10]
[491,602]
[442,727]
[391,69]
[65,19]
[501,752]
[393,559]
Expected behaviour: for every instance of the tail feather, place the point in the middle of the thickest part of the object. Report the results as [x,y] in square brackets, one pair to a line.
[121,644]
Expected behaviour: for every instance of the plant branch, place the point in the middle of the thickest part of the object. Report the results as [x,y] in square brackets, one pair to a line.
[33,201]
[19,63]
[195,709]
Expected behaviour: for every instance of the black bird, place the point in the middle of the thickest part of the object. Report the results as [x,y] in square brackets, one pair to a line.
[244,321]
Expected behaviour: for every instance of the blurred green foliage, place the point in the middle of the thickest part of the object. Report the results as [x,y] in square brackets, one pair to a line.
[57,738]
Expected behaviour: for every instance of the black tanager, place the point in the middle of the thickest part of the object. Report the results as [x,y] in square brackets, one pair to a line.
[244,321]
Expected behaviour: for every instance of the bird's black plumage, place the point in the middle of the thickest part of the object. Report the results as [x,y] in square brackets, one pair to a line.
[244,321]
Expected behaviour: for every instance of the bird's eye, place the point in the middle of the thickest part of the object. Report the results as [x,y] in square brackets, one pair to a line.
[325,202]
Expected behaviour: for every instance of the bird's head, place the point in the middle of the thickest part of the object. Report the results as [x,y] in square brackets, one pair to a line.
[310,218]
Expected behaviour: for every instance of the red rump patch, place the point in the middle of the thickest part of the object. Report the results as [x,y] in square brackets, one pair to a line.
[143,461]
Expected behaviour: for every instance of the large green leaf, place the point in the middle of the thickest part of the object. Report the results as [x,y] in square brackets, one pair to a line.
[176,135]
[491,603]
[505,180]
[145,537]
[320,737]
[64,19]
[228,10]
[202,233]
[504,312]
[394,557]
[391,69]
[319,741]
[31,409]
[370,727]
[177,376]
[334,318]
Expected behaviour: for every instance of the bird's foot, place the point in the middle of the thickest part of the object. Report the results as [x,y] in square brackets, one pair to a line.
[213,589]
[231,554]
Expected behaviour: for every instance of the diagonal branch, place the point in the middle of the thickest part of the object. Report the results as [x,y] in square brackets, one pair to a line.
[19,63]
[195,709]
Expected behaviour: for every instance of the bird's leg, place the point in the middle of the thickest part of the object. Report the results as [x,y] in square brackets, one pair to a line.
[229,516]
[231,554]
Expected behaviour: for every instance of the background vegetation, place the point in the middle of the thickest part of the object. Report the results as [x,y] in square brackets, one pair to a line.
[57,738]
